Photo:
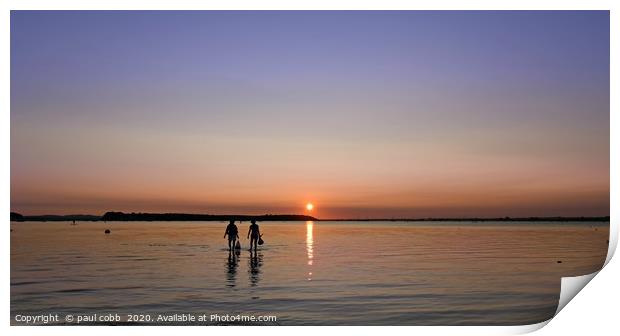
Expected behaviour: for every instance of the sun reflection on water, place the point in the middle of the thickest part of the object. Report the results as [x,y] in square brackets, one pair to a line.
[309,245]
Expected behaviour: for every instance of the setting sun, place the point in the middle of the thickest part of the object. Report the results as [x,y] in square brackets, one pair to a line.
[309,206]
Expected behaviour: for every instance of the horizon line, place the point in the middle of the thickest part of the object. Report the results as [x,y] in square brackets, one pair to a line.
[469,218]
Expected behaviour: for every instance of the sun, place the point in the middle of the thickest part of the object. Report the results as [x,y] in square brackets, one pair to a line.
[309,206]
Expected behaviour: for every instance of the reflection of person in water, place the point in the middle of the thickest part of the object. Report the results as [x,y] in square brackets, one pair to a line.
[231,269]
[254,235]
[256,261]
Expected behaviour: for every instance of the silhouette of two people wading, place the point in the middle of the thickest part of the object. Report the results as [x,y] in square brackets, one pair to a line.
[233,235]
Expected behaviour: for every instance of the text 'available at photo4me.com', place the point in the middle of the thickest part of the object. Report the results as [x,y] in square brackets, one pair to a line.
[157,319]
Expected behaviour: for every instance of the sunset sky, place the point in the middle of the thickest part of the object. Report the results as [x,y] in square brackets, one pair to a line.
[364,114]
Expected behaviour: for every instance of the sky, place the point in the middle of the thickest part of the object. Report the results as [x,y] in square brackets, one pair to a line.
[365,114]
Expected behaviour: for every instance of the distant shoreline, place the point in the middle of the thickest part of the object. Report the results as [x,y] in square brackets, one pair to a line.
[159,217]
[181,217]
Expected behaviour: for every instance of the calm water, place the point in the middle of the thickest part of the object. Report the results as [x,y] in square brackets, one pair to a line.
[316,273]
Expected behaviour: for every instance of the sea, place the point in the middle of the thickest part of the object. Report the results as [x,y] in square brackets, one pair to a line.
[305,273]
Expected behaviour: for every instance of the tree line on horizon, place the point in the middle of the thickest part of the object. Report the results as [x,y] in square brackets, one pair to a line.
[148,217]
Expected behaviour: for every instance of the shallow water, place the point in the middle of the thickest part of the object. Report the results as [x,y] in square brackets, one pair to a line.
[314,273]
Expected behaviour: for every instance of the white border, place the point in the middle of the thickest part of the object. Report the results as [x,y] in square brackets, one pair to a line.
[577,317]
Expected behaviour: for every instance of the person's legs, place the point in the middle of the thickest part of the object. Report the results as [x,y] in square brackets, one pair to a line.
[230,245]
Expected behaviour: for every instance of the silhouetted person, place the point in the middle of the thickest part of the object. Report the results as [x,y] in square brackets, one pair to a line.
[233,235]
[253,235]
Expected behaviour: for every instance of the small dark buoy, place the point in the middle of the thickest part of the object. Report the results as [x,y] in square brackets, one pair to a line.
[559,261]
[107,231]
